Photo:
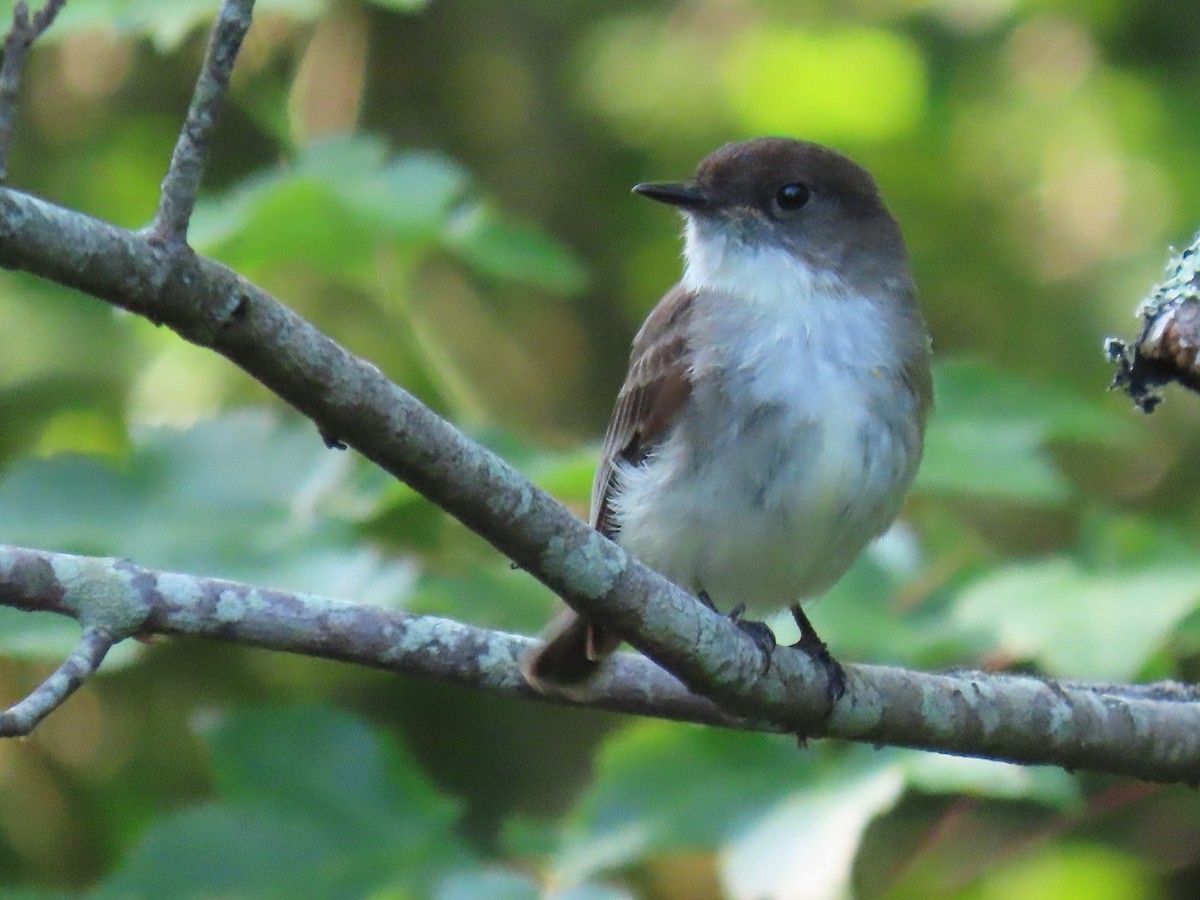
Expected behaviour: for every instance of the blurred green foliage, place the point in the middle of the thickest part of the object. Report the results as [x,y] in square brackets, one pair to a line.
[444,189]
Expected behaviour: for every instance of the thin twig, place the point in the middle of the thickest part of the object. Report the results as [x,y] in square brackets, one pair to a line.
[182,182]
[20,38]
[20,719]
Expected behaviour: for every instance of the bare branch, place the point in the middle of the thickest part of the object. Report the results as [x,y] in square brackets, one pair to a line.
[182,182]
[21,718]
[1151,731]
[20,38]
[150,602]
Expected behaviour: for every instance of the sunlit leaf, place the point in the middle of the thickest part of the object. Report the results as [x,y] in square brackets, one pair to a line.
[832,84]
[1072,870]
[1080,623]
[938,773]
[805,846]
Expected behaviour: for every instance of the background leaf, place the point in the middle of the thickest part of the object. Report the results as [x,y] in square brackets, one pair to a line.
[337,825]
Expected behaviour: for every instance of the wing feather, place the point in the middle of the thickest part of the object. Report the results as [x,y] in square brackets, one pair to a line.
[655,391]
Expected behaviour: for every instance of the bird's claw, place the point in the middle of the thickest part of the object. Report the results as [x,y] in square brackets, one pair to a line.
[759,632]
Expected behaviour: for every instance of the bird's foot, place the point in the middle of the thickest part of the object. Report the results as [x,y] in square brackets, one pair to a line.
[818,651]
[759,632]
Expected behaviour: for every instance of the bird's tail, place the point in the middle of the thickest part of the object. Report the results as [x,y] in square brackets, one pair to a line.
[571,654]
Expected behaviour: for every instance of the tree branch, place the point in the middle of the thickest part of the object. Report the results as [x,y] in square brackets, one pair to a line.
[182,182]
[1151,731]
[21,718]
[129,599]
[20,38]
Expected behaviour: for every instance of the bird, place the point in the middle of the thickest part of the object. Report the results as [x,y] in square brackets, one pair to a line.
[773,416]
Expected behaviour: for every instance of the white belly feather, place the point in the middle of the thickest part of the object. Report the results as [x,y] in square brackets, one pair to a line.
[796,449]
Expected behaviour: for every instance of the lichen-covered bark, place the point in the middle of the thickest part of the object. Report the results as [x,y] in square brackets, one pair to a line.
[1151,732]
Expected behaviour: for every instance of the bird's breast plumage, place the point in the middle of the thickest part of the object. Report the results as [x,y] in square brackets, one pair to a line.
[796,447]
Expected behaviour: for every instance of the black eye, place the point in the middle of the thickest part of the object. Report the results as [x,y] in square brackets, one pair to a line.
[792,196]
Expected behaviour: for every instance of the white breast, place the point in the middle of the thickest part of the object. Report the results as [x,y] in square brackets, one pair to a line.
[799,443]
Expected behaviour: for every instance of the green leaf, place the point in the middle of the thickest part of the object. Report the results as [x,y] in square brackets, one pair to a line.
[348,778]
[411,196]
[314,804]
[166,24]
[488,884]
[773,814]
[1074,870]
[244,496]
[989,435]
[332,207]
[490,595]
[407,6]
[937,773]
[220,851]
[568,476]
[342,198]
[1078,623]
[663,786]
[514,251]
[811,837]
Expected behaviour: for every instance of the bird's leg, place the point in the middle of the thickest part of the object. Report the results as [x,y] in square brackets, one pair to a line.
[759,632]
[818,651]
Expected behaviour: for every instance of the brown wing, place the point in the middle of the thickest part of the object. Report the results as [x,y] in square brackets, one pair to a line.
[655,390]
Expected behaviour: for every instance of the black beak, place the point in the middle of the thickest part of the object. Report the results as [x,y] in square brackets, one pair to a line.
[685,196]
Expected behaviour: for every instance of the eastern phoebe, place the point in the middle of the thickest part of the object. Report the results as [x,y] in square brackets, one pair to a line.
[774,412]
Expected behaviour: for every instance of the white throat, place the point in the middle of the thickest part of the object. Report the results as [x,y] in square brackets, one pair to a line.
[774,297]
[714,262]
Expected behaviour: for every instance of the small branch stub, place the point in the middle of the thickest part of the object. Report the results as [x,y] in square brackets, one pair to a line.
[182,181]
[20,719]
[1168,346]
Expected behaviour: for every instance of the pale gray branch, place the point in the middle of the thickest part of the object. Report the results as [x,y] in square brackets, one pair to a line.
[182,182]
[1151,731]
[21,718]
[130,599]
